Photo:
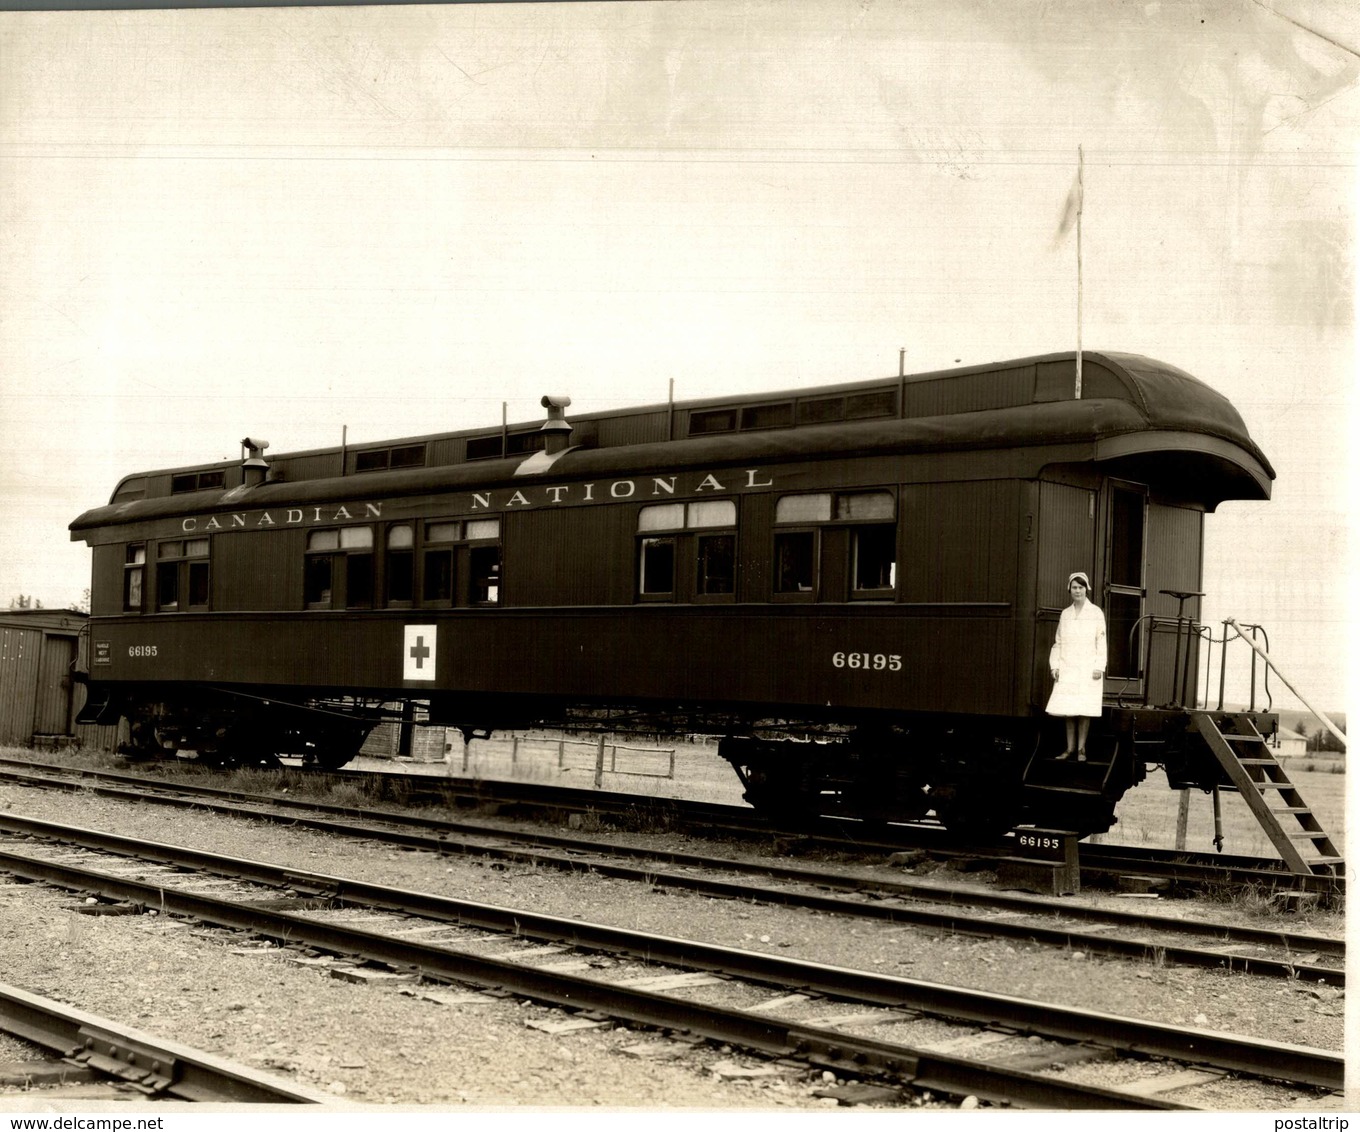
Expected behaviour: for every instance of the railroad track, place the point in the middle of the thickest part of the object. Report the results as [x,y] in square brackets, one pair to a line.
[300,909]
[85,1047]
[1183,868]
[1267,952]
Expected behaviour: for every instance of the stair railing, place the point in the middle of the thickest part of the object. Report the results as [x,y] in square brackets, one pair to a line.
[1337,733]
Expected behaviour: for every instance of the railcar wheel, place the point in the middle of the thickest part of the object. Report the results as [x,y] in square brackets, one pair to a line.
[333,756]
[337,744]
[977,792]
[974,815]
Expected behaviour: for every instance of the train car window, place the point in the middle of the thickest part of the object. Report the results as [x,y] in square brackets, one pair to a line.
[481,563]
[167,583]
[437,587]
[711,513]
[873,549]
[380,459]
[484,563]
[803,508]
[353,547]
[767,416]
[196,567]
[713,420]
[1126,538]
[717,565]
[443,532]
[316,577]
[795,562]
[134,569]
[358,580]
[821,411]
[197,481]
[795,552]
[1125,596]
[182,574]
[656,573]
[709,558]
[861,506]
[483,528]
[519,442]
[662,517]
[872,541]
[484,447]
[862,406]
[400,566]
[873,553]
[357,542]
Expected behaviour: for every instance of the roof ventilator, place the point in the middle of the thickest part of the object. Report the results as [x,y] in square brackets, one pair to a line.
[556,429]
[254,466]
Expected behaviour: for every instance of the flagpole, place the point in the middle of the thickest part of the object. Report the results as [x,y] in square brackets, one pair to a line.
[1081,192]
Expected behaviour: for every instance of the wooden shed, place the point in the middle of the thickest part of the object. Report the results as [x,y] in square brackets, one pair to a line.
[39,699]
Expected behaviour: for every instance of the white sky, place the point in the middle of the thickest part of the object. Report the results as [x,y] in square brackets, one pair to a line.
[279,222]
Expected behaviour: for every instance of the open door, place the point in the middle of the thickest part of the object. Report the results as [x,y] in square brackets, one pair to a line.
[1125,589]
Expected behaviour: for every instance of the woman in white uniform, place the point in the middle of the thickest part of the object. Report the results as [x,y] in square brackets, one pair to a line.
[1078,665]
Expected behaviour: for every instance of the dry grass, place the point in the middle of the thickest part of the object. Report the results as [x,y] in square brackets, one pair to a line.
[1147,814]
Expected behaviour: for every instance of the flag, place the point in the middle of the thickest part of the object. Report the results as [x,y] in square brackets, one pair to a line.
[1071,210]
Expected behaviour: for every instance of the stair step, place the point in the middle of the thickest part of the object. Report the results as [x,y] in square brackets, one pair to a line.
[1317,835]
[1259,762]
[1292,810]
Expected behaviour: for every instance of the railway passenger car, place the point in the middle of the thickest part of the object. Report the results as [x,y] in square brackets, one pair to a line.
[856,585]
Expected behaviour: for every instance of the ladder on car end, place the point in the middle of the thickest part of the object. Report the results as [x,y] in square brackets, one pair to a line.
[1260,778]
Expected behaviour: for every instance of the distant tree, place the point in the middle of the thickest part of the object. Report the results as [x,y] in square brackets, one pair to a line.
[1324,740]
[83,605]
[24,601]
[1329,742]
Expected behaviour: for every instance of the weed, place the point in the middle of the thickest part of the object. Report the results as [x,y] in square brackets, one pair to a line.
[348,794]
[77,928]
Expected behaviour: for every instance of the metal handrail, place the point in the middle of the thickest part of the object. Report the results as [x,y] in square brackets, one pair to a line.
[1180,681]
[1223,664]
[1338,734]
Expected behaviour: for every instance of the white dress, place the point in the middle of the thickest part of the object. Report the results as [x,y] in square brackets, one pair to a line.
[1077,652]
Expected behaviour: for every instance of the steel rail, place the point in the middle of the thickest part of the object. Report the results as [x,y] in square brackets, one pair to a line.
[949,921]
[1291,941]
[833,832]
[757,1033]
[1170,864]
[152,1065]
[1299,1064]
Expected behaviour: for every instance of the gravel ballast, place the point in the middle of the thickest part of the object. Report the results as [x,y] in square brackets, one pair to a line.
[385,1044]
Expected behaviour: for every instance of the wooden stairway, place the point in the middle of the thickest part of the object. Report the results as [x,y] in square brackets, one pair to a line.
[1291,826]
